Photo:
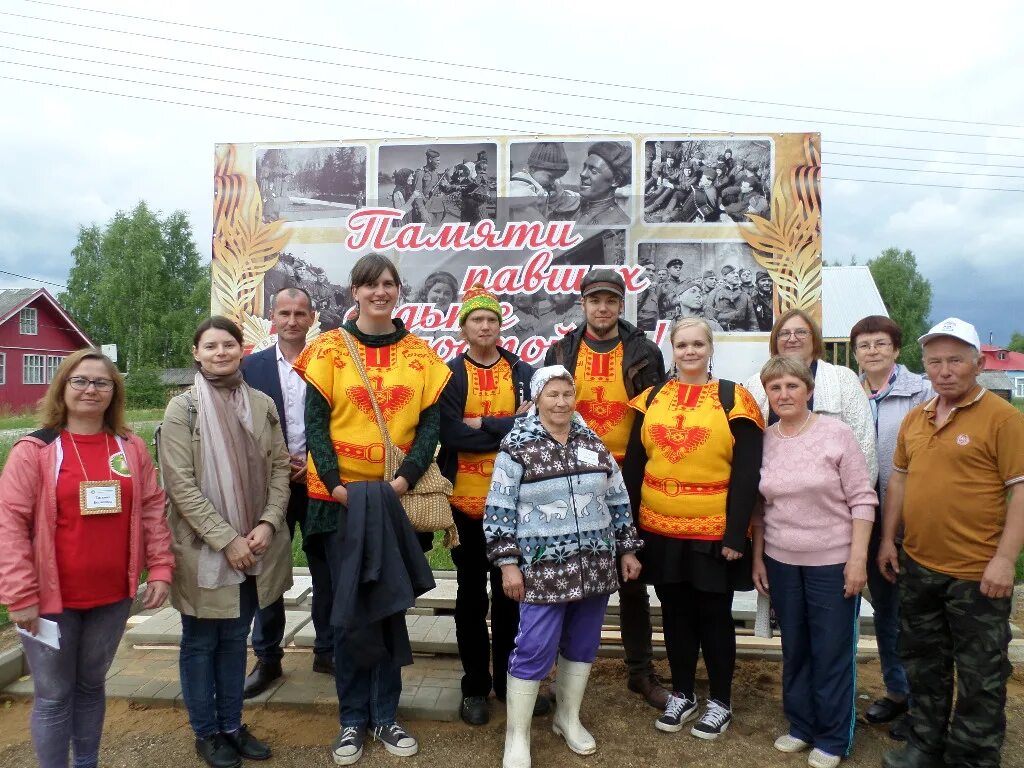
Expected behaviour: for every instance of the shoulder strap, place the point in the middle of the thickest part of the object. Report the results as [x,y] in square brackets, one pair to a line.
[357,360]
[727,395]
[654,392]
[190,406]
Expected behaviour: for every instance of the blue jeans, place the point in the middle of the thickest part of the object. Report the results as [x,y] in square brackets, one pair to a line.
[819,652]
[366,695]
[68,684]
[268,628]
[212,665]
[885,600]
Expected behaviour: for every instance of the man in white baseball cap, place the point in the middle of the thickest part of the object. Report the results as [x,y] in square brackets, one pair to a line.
[958,489]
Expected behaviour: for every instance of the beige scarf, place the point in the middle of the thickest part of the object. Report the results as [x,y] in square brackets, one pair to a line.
[234,476]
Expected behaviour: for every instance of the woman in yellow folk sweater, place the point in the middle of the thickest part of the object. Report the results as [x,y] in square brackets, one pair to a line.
[692,468]
[345,446]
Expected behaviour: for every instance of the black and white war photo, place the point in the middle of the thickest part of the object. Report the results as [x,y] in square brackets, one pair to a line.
[588,182]
[302,182]
[703,181]
[717,280]
[437,183]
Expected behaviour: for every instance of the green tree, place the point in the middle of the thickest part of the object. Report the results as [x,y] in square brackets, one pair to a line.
[138,283]
[1016,342]
[908,298]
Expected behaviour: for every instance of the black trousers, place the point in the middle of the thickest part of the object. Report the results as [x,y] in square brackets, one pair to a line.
[696,622]
[480,655]
[268,626]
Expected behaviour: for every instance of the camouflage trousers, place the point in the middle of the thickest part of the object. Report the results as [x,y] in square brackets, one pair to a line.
[947,622]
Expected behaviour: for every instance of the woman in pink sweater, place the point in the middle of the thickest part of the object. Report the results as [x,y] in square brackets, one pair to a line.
[810,543]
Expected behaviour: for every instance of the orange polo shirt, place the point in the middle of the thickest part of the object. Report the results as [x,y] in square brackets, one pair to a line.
[958,478]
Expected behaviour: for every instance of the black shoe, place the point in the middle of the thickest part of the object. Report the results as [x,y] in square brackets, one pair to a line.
[885,710]
[474,710]
[900,730]
[218,752]
[323,663]
[911,757]
[262,675]
[247,745]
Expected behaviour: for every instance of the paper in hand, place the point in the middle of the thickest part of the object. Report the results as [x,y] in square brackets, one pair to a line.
[48,633]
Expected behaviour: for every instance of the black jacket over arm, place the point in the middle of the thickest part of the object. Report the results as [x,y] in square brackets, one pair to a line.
[457,436]
[381,571]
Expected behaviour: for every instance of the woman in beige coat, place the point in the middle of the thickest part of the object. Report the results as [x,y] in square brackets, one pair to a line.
[225,469]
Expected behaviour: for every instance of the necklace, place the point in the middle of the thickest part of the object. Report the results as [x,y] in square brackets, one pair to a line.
[106,443]
[784,436]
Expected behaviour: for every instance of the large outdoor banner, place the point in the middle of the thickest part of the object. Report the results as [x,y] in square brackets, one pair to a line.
[725,227]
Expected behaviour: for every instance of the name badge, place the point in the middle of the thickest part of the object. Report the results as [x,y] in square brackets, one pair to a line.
[587,456]
[99,497]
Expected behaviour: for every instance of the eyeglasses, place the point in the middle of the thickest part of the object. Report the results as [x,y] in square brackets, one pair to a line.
[81,383]
[865,346]
[799,333]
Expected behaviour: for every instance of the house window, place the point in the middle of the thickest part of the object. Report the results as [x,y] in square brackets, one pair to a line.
[52,363]
[28,320]
[3,367]
[1018,388]
[33,370]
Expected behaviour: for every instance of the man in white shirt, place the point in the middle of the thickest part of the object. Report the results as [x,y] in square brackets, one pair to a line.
[271,372]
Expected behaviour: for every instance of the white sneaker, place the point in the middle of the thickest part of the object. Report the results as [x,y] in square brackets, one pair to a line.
[819,759]
[787,743]
[714,722]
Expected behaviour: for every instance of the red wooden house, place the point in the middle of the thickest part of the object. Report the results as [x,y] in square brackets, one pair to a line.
[35,335]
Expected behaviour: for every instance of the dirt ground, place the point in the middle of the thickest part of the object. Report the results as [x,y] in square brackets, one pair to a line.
[621,723]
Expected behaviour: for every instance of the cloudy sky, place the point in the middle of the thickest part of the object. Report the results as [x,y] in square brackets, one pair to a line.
[75,156]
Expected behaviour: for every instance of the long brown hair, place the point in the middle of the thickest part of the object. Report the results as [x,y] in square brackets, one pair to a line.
[53,411]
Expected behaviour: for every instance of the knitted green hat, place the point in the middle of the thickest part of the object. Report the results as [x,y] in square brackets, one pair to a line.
[478,297]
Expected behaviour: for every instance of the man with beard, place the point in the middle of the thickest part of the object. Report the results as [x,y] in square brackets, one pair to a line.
[607,167]
[612,362]
[731,305]
[763,301]
[431,185]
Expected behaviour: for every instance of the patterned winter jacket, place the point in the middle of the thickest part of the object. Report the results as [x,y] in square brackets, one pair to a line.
[560,512]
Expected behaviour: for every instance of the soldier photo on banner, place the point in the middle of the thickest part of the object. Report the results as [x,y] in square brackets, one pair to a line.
[437,183]
[717,280]
[301,183]
[705,181]
[588,182]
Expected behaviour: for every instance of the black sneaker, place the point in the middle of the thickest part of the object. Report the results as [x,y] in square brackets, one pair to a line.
[396,740]
[217,752]
[678,710]
[474,710]
[714,722]
[348,747]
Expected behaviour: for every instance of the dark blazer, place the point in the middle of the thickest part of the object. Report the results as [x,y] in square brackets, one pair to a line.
[260,372]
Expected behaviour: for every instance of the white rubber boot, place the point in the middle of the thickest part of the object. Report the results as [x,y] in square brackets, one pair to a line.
[572,683]
[520,696]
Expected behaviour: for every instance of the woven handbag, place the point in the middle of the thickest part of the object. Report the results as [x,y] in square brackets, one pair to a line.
[426,503]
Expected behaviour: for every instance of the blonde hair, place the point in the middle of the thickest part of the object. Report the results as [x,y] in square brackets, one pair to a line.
[693,322]
[53,411]
[780,366]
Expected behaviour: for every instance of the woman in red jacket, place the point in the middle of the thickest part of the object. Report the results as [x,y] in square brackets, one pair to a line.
[81,515]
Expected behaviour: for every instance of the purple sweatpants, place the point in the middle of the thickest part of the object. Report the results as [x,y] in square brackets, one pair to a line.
[572,629]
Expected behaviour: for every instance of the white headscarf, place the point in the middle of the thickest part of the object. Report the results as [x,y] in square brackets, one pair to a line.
[543,375]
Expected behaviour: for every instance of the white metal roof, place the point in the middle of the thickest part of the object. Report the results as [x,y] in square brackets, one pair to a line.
[847,295]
